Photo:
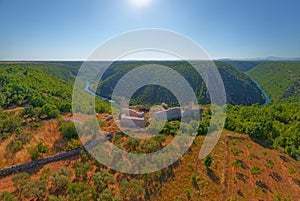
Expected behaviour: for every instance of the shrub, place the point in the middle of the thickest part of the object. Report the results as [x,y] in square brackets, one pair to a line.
[251,156]
[68,130]
[132,189]
[6,196]
[50,111]
[236,151]
[234,179]
[20,180]
[208,161]
[194,179]
[234,141]
[16,145]
[188,193]
[43,149]
[292,170]
[237,163]
[269,164]
[256,170]
[265,153]
[34,153]
[72,145]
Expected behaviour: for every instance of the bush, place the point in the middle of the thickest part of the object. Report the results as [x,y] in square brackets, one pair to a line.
[34,153]
[6,196]
[72,145]
[237,163]
[265,153]
[251,156]
[292,170]
[188,193]
[208,161]
[256,170]
[236,151]
[43,149]
[50,111]
[132,190]
[194,179]
[68,130]
[16,145]
[269,164]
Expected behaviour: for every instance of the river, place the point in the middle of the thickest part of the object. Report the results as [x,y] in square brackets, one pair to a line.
[264,93]
[87,89]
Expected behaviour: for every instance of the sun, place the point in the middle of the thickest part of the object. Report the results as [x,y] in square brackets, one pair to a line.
[140,3]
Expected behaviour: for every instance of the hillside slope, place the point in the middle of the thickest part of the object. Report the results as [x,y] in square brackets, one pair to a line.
[231,175]
[240,89]
[280,80]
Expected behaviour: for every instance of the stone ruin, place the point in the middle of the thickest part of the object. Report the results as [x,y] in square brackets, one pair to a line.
[130,117]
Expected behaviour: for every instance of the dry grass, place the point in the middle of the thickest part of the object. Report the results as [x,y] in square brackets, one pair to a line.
[48,133]
[227,182]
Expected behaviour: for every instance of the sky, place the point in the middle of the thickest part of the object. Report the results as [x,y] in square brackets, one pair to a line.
[72,29]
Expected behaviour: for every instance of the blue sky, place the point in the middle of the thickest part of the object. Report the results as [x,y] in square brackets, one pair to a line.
[72,29]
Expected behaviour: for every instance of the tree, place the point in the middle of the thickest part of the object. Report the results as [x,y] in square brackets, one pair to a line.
[72,145]
[68,130]
[16,145]
[28,112]
[50,111]
[11,123]
[102,178]
[106,195]
[6,196]
[132,143]
[269,164]
[35,189]
[20,180]
[67,107]
[132,190]
[59,182]
[2,99]
[256,170]
[41,148]
[81,192]
[34,153]
[81,170]
[57,198]
[150,146]
[208,161]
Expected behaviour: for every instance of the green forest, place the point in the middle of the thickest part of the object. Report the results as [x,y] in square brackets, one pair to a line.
[240,89]
[280,80]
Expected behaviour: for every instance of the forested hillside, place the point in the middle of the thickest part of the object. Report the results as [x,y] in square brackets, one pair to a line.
[276,125]
[280,80]
[35,84]
[240,89]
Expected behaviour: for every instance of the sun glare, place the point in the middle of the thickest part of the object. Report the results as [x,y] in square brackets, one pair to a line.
[140,3]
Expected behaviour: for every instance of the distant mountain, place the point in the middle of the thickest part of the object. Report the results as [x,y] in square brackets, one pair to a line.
[280,80]
[270,58]
[244,65]
[240,89]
